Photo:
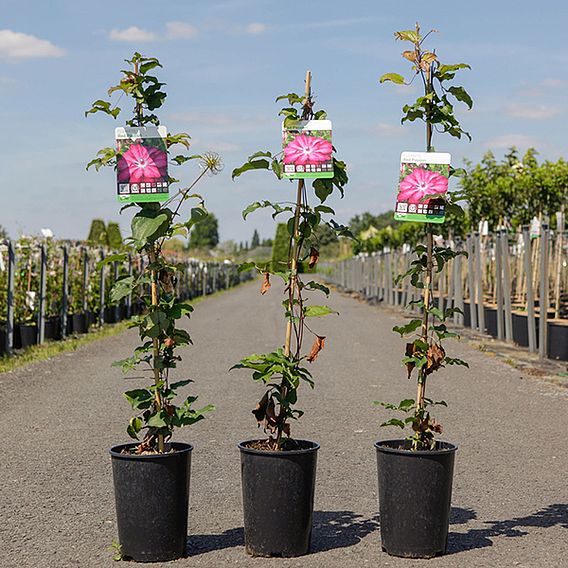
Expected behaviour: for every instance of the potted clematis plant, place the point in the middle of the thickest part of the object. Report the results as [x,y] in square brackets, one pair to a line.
[151,474]
[278,472]
[415,474]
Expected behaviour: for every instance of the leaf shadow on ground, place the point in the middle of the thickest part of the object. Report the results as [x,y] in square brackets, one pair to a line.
[340,529]
[550,516]
[331,530]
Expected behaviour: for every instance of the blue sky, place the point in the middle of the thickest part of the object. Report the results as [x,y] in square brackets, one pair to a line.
[224,64]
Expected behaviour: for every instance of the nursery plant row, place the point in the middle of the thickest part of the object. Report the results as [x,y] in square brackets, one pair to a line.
[52,289]
[511,286]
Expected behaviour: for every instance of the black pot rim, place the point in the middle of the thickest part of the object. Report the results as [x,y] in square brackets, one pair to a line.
[448,448]
[245,450]
[178,447]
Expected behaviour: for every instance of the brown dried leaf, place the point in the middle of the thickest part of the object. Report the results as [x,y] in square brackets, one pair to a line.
[319,343]
[436,426]
[314,256]
[410,350]
[167,280]
[410,55]
[434,358]
[260,409]
[265,286]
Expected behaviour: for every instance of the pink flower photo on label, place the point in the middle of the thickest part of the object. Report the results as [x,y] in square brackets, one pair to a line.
[416,185]
[307,150]
[142,164]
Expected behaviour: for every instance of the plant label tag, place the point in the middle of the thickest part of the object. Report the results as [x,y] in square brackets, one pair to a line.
[141,164]
[423,176]
[307,150]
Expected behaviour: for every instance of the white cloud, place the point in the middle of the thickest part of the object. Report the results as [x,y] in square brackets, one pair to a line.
[550,82]
[507,140]
[133,34]
[15,46]
[532,112]
[255,28]
[180,30]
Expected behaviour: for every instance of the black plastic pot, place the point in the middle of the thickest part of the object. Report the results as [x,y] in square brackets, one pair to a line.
[79,323]
[52,328]
[152,494]
[415,491]
[278,499]
[25,335]
[558,341]
[490,321]
[110,315]
[2,339]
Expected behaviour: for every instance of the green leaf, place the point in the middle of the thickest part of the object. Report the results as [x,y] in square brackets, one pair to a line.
[411,326]
[122,288]
[292,98]
[148,225]
[394,77]
[254,165]
[134,426]
[157,420]
[312,285]
[408,35]
[318,311]
[139,398]
[461,95]
[394,422]
[110,259]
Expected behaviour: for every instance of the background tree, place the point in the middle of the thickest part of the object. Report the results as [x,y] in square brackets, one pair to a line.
[98,234]
[205,235]
[280,248]
[255,241]
[3,233]
[114,235]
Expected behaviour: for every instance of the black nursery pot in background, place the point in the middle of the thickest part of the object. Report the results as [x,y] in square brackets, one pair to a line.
[79,323]
[25,335]
[52,329]
[415,492]
[278,499]
[152,494]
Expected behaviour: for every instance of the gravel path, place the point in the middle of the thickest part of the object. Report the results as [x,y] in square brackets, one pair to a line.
[510,504]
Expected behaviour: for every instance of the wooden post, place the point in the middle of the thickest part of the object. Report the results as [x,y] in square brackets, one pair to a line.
[499,283]
[479,277]
[102,291]
[559,250]
[471,283]
[65,292]
[85,256]
[10,299]
[507,286]
[531,331]
[543,293]
[42,291]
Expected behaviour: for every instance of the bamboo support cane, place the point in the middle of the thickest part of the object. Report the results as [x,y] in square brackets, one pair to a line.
[295,238]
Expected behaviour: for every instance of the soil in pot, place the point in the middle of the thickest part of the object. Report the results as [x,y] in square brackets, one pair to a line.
[152,493]
[415,490]
[278,498]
